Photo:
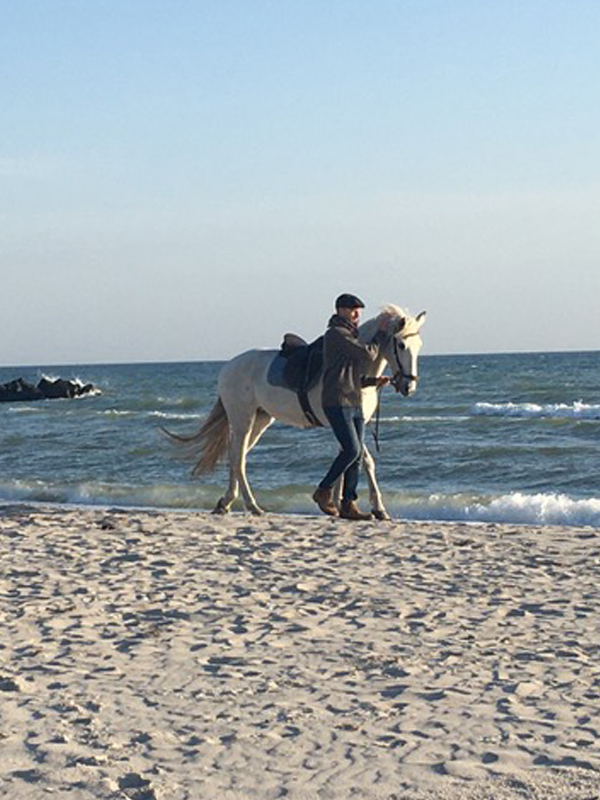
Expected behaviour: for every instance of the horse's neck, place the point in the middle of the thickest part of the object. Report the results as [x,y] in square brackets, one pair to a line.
[375,368]
[366,332]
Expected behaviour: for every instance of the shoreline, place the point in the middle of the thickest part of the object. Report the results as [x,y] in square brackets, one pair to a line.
[308,512]
[174,654]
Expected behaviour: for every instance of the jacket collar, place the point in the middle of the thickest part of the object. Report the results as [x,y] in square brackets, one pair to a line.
[337,321]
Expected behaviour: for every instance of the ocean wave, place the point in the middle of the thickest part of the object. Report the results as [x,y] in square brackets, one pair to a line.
[172,415]
[424,418]
[541,509]
[514,507]
[142,413]
[92,493]
[25,409]
[178,402]
[577,410]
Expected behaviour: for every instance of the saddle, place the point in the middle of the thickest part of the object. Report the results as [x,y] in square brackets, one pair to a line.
[304,361]
[301,365]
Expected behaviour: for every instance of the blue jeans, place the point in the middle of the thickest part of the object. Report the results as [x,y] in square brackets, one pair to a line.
[348,425]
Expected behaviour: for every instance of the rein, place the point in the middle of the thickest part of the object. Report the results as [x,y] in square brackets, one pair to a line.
[375,430]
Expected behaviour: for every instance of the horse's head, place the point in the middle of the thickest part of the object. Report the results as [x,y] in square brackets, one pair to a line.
[402,348]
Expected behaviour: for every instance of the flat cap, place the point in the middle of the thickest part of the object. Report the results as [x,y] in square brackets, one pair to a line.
[349,301]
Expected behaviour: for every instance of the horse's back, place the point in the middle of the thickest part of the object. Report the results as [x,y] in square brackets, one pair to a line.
[246,384]
[248,363]
[243,373]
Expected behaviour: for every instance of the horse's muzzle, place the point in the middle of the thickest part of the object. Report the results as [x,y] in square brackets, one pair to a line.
[405,384]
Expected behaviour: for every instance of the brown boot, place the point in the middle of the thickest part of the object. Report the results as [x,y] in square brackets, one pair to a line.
[324,499]
[350,510]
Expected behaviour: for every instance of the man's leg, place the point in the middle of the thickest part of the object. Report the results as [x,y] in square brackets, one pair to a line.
[352,472]
[341,419]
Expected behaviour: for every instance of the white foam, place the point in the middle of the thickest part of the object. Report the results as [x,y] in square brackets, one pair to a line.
[576,410]
[115,412]
[423,418]
[515,507]
[539,509]
[76,382]
[167,415]
[97,493]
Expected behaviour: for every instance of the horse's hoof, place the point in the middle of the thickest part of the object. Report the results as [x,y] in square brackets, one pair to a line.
[256,511]
[382,515]
[220,508]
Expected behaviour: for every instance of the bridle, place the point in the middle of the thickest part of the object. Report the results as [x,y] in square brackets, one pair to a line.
[400,374]
[396,381]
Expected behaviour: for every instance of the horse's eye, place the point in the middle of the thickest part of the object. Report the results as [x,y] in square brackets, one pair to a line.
[401,345]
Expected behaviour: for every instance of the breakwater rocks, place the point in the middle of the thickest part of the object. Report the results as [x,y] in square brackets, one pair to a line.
[46,389]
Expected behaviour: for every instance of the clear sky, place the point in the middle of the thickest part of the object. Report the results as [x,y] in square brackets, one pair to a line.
[186,179]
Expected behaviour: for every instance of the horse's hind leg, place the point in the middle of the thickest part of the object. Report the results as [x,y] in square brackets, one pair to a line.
[242,440]
[236,456]
[224,503]
[261,422]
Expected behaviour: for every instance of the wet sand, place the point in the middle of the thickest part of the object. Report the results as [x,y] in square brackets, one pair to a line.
[165,655]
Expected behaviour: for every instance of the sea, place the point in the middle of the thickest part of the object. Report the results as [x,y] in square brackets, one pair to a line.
[497,438]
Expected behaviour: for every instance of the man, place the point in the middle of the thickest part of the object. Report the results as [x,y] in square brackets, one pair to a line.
[344,363]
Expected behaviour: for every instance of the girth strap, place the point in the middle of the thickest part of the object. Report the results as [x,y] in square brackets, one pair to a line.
[307,408]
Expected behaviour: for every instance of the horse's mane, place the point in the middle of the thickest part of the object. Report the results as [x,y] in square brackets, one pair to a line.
[395,313]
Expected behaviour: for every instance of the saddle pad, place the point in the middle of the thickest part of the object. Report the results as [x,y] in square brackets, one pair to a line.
[298,369]
[275,374]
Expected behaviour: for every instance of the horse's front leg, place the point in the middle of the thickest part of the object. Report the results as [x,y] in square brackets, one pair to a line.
[377,506]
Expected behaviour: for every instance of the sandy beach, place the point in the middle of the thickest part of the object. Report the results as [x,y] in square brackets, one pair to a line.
[165,655]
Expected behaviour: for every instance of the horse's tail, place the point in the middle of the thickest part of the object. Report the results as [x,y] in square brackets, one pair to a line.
[211,442]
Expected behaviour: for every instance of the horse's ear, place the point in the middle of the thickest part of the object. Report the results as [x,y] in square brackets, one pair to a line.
[400,325]
[421,318]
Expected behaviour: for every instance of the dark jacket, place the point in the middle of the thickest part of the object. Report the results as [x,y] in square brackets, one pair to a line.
[345,361]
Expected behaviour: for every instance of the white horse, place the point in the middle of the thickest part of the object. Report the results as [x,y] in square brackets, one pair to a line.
[249,402]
